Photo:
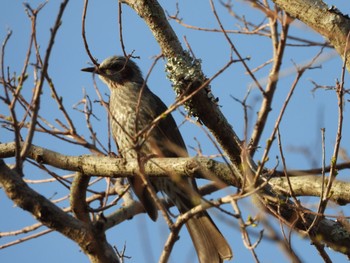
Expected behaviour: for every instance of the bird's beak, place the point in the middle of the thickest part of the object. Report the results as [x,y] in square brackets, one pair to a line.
[91,70]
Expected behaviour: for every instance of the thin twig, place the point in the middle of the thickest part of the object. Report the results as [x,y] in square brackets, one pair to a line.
[268,94]
[86,2]
[233,47]
[39,86]
[300,72]
[333,171]
[120,11]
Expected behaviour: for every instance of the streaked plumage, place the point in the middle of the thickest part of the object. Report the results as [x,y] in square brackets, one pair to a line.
[130,113]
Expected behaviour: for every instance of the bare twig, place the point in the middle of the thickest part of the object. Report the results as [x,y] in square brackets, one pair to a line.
[333,171]
[120,11]
[233,47]
[300,72]
[86,2]
[39,85]
[278,52]
[244,232]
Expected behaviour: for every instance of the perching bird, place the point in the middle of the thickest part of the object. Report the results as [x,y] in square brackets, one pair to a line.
[133,107]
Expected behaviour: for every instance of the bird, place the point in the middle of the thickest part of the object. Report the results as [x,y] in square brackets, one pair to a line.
[132,108]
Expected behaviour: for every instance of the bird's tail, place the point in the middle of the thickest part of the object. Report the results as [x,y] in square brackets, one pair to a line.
[210,244]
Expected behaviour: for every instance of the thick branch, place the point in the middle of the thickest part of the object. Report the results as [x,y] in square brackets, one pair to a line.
[89,237]
[117,167]
[329,22]
[77,197]
[303,183]
[328,232]
[105,166]
[179,67]
[40,207]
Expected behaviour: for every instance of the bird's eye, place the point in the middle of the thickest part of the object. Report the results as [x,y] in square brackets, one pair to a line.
[110,71]
[114,70]
[117,67]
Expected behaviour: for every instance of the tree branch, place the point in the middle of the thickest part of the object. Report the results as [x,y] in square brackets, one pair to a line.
[88,236]
[78,197]
[304,183]
[26,198]
[180,64]
[328,22]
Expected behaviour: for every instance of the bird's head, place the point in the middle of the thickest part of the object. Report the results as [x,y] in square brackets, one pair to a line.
[117,70]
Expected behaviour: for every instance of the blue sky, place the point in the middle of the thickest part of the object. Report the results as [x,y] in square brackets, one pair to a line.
[306,114]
